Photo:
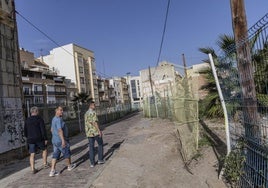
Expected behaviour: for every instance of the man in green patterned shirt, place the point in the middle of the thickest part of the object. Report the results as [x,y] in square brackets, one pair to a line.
[93,134]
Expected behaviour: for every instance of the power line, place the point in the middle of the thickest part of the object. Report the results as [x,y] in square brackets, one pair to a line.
[46,35]
[163,34]
[50,38]
[162,40]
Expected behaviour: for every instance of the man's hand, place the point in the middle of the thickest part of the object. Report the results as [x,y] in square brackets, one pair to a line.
[45,142]
[100,133]
[63,144]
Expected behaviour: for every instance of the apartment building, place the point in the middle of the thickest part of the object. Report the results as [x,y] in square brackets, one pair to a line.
[134,84]
[77,64]
[121,92]
[103,88]
[41,85]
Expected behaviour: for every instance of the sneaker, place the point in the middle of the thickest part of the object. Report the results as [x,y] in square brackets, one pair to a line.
[100,162]
[71,166]
[34,171]
[53,173]
[92,166]
[47,165]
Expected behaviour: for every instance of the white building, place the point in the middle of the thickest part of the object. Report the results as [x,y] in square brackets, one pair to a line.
[78,64]
[120,89]
[134,83]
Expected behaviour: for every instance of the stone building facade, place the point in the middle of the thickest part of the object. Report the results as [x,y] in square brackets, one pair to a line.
[11,112]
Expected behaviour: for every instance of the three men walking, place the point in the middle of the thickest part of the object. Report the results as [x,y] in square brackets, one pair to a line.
[35,132]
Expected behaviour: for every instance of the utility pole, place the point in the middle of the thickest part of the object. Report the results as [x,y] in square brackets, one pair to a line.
[186,85]
[245,68]
[150,79]
[153,97]
[184,64]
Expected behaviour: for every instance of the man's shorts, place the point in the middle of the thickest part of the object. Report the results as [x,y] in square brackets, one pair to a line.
[57,150]
[38,145]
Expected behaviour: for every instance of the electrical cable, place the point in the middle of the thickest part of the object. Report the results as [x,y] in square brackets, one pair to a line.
[163,34]
[162,39]
[47,36]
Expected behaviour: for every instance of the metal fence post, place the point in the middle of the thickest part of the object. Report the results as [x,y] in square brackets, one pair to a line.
[222,104]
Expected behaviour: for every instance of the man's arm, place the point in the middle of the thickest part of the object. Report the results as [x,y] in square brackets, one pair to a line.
[63,143]
[96,125]
[43,130]
[58,127]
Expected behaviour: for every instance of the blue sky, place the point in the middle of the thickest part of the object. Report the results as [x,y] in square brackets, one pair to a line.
[125,35]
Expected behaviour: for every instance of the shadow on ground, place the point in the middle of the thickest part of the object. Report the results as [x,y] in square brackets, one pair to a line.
[219,147]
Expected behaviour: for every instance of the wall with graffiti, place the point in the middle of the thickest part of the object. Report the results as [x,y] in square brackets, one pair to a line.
[11,124]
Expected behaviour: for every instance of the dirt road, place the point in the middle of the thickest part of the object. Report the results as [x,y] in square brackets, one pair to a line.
[149,158]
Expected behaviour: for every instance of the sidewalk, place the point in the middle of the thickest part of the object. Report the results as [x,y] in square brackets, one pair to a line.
[139,152]
[18,174]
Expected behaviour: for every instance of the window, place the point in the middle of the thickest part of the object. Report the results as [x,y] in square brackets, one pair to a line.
[81,70]
[50,88]
[80,59]
[26,91]
[51,100]
[38,89]
[38,100]
[82,80]
[133,84]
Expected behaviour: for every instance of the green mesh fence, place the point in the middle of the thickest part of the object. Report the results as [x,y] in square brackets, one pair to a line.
[181,107]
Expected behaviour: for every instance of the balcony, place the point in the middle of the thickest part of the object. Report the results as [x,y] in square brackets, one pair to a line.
[101,89]
[60,93]
[27,93]
[38,93]
[56,93]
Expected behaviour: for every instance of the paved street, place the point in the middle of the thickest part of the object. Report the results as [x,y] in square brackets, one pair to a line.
[18,173]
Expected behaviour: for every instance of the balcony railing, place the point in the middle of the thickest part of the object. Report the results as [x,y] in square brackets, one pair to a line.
[27,92]
[38,93]
[56,93]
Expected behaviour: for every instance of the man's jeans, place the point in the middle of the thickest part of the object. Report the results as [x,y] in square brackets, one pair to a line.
[91,141]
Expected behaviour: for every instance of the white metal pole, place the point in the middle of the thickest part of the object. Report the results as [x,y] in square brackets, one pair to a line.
[222,104]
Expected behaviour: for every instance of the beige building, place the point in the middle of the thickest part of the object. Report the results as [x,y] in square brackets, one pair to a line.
[11,112]
[160,79]
[103,88]
[77,64]
[41,85]
[198,80]
[120,90]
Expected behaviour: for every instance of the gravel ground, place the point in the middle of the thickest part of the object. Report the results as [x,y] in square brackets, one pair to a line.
[149,158]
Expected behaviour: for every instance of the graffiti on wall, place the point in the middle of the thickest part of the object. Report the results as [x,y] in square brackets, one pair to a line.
[13,121]
[12,117]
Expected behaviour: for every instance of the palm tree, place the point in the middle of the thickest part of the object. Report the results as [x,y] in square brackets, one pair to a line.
[260,61]
[81,98]
[211,106]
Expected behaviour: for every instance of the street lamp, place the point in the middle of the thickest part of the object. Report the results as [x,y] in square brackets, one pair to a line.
[79,119]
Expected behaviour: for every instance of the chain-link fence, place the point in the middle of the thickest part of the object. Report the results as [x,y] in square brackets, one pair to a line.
[74,115]
[177,103]
[244,83]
